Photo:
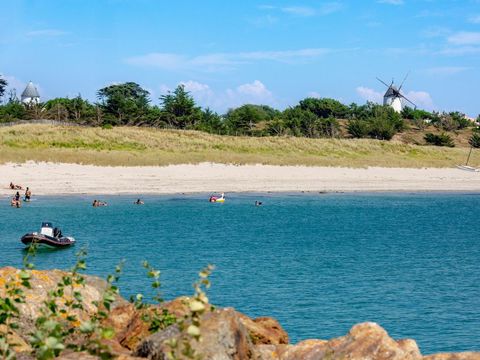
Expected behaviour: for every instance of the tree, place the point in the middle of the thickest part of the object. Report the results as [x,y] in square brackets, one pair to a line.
[56,109]
[325,108]
[179,108]
[474,140]
[442,139]
[210,122]
[244,119]
[80,109]
[3,86]
[124,103]
[303,122]
[358,128]
[375,121]
[12,111]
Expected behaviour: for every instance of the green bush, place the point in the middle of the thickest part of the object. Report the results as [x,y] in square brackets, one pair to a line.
[358,128]
[439,140]
[381,128]
[475,140]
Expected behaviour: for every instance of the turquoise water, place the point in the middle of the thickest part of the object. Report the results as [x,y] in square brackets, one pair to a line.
[317,263]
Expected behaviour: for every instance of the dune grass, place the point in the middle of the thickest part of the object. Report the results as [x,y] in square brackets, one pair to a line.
[132,146]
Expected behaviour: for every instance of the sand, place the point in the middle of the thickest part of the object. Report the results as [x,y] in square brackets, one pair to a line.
[53,178]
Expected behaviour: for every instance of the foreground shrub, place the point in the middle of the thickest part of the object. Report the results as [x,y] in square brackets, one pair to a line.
[358,128]
[63,324]
[475,140]
[439,140]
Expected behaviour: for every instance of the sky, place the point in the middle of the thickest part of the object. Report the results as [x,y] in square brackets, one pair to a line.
[228,53]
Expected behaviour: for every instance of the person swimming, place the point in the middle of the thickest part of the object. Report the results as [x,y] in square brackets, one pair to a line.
[258,203]
[15,203]
[97,203]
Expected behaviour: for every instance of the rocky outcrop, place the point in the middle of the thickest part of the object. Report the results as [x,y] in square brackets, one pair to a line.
[225,333]
[224,337]
[454,356]
[364,341]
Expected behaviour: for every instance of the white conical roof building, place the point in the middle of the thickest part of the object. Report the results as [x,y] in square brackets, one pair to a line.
[30,94]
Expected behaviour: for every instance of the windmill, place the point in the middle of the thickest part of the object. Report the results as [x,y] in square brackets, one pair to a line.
[393,97]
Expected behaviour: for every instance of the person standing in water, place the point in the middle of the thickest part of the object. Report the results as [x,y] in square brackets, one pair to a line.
[28,194]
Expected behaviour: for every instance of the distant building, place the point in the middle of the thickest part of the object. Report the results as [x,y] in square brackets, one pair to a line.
[392,98]
[30,95]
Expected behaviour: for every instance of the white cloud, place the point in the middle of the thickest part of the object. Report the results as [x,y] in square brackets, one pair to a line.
[330,8]
[422,99]
[446,70]
[164,89]
[369,94]
[250,93]
[222,61]
[314,94]
[465,38]
[14,83]
[255,90]
[460,51]
[267,7]
[19,85]
[299,10]
[324,9]
[436,31]
[263,21]
[194,86]
[475,19]
[46,33]
[391,2]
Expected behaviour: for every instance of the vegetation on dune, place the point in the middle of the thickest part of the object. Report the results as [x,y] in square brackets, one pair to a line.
[133,146]
[439,140]
[129,104]
[124,128]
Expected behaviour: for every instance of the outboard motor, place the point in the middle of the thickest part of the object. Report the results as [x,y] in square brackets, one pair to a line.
[47,229]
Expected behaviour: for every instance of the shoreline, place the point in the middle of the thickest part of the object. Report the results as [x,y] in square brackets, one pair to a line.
[73,179]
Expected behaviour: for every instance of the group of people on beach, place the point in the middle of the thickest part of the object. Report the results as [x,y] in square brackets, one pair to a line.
[16,200]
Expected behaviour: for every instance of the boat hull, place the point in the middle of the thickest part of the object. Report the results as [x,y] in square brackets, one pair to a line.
[29,239]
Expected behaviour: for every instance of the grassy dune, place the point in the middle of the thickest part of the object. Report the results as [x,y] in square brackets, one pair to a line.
[144,146]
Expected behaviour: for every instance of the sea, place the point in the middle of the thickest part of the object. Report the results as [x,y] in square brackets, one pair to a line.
[319,263]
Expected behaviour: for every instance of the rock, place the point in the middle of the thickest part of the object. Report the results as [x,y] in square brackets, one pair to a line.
[42,282]
[225,333]
[305,350]
[454,356]
[19,344]
[264,330]
[223,337]
[270,352]
[154,346]
[364,341]
[130,326]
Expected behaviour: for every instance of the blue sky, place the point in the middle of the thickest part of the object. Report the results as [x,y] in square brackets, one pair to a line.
[231,52]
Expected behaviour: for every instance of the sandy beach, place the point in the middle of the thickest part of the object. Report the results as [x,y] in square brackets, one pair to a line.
[54,178]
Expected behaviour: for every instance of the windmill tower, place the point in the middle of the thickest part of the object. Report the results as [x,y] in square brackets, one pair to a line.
[30,95]
[393,96]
